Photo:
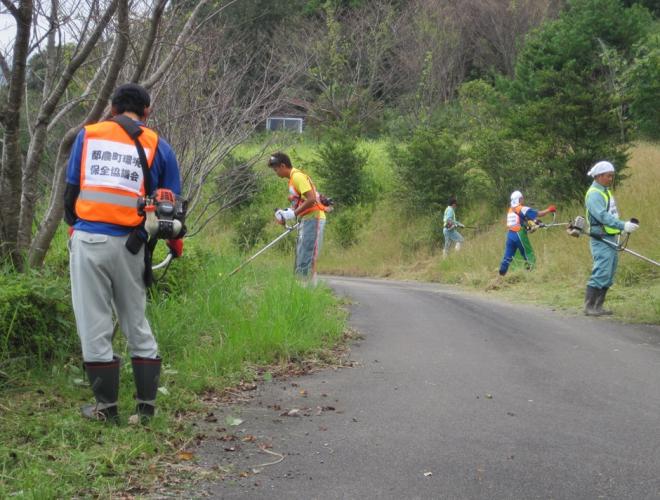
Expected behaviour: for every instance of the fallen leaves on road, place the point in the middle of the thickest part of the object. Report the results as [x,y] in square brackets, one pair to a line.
[233,421]
[185,455]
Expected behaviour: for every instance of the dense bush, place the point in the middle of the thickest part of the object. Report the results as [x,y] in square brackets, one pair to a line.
[250,229]
[346,224]
[36,317]
[341,166]
[644,81]
[181,273]
[427,169]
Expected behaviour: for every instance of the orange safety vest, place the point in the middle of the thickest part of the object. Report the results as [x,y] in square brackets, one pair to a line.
[513,219]
[296,198]
[111,177]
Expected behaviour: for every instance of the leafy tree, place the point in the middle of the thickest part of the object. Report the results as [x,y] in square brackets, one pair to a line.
[565,104]
[341,166]
[427,168]
[644,82]
[652,5]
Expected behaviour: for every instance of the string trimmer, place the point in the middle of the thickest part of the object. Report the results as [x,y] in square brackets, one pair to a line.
[576,228]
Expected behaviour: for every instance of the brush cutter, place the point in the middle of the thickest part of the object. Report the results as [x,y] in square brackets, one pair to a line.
[537,224]
[165,262]
[284,234]
[576,228]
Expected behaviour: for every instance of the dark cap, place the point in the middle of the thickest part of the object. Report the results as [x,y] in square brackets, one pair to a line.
[273,161]
[131,96]
[276,159]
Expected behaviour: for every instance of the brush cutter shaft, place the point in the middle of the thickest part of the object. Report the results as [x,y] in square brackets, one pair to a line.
[288,230]
[623,249]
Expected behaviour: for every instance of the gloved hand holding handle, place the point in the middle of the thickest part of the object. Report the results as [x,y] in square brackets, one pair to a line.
[630,226]
[551,208]
[288,214]
[176,247]
[284,215]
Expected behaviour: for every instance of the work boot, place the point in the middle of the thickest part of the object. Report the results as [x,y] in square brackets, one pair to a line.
[146,372]
[590,297]
[104,380]
[600,299]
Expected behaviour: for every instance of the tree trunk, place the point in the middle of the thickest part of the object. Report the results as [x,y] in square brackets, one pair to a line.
[12,158]
[29,191]
[46,231]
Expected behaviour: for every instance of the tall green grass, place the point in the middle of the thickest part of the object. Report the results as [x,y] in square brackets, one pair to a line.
[260,315]
[213,331]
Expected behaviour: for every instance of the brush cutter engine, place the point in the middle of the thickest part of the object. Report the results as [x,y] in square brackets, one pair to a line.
[576,226]
[533,225]
[165,214]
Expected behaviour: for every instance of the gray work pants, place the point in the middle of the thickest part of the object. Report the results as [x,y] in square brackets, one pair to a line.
[104,273]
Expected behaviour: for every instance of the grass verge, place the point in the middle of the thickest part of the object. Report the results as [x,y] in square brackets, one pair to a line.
[212,331]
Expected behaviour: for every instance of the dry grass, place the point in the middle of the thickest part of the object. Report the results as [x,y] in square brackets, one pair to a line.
[392,245]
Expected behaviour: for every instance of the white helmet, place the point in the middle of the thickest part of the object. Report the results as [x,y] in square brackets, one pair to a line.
[516,196]
[602,167]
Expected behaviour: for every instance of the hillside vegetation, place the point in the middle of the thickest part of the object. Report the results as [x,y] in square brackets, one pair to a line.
[393,242]
[401,245]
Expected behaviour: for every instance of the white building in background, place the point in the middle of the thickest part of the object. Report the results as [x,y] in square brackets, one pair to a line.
[294,124]
[289,116]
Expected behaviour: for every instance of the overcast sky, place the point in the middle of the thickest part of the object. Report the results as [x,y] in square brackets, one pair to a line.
[7,30]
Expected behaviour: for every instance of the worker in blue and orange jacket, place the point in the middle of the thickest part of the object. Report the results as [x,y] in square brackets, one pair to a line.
[105,179]
[517,240]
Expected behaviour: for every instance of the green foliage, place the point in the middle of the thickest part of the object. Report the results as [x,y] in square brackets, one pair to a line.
[36,319]
[567,106]
[211,334]
[477,183]
[644,83]
[348,82]
[259,315]
[182,273]
[345,225]
[651,5]
[341,165]
[427,169]
[314,6]
[494,161]
[249,230]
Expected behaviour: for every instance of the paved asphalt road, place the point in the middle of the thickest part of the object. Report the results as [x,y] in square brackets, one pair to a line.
[453,396]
